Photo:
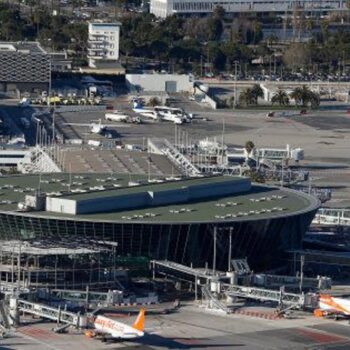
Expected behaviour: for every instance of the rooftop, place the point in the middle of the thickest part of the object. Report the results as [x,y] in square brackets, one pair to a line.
[136,187]
[117,161]
[21,46]
[260,202]
[107,25]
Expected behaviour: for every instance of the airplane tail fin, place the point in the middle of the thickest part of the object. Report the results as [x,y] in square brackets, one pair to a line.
[140,321]
[137,105]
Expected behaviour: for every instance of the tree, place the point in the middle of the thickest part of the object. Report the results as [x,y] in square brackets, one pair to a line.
[219,12]
[214,28]
[296,56]
[281,97]
[159,48]
[257,92]
[304,96]
[246,97]
[249,146]
[154,101]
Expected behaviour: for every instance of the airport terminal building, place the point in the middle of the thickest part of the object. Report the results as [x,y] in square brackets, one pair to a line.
[24,67]
[165,8]
[153,219]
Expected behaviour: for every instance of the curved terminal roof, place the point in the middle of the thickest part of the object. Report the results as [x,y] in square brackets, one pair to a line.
[257,203]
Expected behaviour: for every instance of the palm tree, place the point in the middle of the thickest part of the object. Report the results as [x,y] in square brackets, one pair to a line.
[304,96]
[246,97]
[281,97]
[257,92]
[249,146]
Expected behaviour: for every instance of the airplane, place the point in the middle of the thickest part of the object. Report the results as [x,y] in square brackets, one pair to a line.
[329,305]
[117,116]
[175,115]
[147,113]
[107,327]
[25,102]
[95,128]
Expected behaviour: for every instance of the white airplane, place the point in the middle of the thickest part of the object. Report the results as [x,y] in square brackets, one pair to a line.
[105,326]
[147,113]
[25,102]
[96,128]
[171,114]
[175,115]
[117,116]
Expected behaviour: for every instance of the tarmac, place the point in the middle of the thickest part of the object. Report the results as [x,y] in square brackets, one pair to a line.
[193,328]
[323,134]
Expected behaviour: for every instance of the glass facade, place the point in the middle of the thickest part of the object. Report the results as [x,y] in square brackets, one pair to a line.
[263,242]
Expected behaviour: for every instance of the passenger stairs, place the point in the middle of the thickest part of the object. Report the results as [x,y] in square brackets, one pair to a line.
[39,160]
[179,159]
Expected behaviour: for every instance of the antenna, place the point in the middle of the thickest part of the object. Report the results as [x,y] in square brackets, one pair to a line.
[39,186]
[70,175]
[53,121]
[149,168]
[222,140]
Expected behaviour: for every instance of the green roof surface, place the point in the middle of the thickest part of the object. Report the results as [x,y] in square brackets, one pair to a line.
[172,185]
[260,202]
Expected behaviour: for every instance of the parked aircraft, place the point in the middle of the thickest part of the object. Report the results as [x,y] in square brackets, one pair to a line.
[115,330]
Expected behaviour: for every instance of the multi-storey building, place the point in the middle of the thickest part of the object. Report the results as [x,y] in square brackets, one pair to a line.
[164,8]
[103,43]
[24,67]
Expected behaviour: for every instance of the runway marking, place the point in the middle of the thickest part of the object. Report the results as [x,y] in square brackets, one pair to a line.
[37,332]
[47,345]
[321,338]
[258,314]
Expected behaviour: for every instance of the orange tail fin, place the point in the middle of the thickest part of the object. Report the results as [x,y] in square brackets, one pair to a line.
[140,321]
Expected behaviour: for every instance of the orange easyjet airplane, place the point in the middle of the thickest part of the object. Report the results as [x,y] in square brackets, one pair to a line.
[332,305]
[117,330]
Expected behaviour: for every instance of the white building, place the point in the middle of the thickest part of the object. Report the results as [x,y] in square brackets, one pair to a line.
[103,43]
[166,83]
[164,8]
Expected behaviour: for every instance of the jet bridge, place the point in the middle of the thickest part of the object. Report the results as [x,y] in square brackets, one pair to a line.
[332,216]
[48,312]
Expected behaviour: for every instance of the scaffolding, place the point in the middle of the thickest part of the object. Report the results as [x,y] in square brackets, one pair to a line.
[332,216]
[69,264]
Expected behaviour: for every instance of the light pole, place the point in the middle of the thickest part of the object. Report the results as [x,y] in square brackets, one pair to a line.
[230,250]
[236,102]
[214,251]
[302,261]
